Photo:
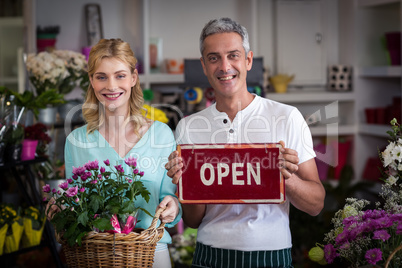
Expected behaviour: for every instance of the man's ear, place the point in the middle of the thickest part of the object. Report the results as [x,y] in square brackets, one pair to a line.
[249,60]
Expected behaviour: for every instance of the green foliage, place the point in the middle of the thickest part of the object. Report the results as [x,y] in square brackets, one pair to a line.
[93,196]
[14,134]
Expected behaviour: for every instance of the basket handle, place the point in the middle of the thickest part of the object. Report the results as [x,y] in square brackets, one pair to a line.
[156,218]
[392,255]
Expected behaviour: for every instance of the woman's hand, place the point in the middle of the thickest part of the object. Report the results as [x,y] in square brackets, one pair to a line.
[51,209]
[171,205]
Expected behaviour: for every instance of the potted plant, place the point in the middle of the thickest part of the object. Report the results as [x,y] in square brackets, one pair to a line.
[98,207]
[38,133]
[60,70]
[365,236]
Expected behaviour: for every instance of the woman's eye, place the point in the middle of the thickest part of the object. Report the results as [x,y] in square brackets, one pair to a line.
[100,77]
[121,76]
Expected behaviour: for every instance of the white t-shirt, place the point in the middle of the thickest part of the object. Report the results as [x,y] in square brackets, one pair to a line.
[248,227]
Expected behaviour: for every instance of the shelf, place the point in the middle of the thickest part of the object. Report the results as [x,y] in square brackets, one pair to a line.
[161,78]
[381,71]
[342,130]
[374,130]
[11,21]
[308,97]
[372,3]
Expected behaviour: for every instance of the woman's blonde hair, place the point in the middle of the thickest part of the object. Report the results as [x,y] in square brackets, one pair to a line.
[91,110]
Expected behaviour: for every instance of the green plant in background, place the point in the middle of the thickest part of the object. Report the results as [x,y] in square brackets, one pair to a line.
[14,134]
[49,171]
[183,247]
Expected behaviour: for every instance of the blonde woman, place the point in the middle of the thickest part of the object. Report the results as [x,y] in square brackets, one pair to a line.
[116,130]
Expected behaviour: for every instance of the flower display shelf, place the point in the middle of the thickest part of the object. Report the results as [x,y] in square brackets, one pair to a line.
[32,198]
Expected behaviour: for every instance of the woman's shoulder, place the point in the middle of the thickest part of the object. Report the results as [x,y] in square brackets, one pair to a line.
[80,134]
[161,129]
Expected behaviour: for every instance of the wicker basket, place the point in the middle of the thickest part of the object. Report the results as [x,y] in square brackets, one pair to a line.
[136,249]
[392,255]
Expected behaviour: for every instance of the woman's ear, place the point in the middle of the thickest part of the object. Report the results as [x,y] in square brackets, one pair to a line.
[134,77]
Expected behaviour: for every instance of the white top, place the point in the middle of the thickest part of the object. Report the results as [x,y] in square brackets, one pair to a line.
[248,227]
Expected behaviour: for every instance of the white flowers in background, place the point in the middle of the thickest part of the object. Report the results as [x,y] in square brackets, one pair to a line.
[62,70]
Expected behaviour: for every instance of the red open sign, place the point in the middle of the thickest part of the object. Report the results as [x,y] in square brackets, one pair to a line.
[231,173]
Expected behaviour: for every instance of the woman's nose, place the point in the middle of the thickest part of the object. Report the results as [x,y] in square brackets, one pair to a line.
[112,85]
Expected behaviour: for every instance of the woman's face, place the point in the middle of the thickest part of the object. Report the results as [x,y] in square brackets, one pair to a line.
[112,82]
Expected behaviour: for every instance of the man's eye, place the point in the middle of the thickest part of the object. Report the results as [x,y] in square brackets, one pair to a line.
[213,59]
[234,56]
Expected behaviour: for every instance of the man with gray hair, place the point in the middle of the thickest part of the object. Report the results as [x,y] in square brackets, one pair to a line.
[245,235]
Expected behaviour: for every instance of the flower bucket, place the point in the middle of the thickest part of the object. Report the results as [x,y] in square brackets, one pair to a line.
[136,249]
[3,232]
[31,237]
[47,116]
[12,241]
[28,149]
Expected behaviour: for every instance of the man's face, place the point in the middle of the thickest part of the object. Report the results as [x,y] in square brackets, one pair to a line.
[225,64]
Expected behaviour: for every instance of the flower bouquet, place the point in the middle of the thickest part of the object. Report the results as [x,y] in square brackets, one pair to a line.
[34,222]
[370,236]
[97,216]
[61,69]
[12,219]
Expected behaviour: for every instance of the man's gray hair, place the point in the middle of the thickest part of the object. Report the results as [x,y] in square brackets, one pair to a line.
[224,25]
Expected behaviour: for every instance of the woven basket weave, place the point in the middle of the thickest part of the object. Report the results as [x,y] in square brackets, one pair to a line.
[136,249]
[392,255]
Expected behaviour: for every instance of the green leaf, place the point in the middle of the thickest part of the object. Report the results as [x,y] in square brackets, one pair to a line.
[96,202]
[103,224]
[83,218]
[128,207]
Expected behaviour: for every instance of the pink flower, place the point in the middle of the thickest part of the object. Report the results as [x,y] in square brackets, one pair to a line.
[373,255]
[102,170]
[142,173]
[82,189]
[119,169]
[330,253]
[131,161]
[92,165]
[54,190]
[107,163]
[381,235]
[72,191]
[130,180]
[77,200]
[136,171]
[94,182]
[44,199]
[46,188]
[70,181]
[63,185]
[78,171]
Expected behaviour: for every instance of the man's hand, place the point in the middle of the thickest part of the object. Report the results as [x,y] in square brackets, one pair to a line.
[51,209]
[289,161]
[174,167]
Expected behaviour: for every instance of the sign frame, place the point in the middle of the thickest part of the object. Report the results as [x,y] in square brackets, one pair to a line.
[275,189]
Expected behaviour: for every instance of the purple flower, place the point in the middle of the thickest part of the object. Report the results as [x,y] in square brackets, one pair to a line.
[130,180]
[59,192]
[131,161]
[77,200]
[54,190]
[82,189]
[119,168]
[63,185]
[142,173]
[107,163]
[136,171]
[72,191]
[381,235]
[75,176]
[78,171]
[70,181]
[44,199]
[92,165]
[102,170]
[86,175]
[330,253]
[94,182]
[46,188]
[399,228]
[373,255]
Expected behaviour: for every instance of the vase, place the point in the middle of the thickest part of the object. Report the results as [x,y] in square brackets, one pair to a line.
[47,116]
[28,149]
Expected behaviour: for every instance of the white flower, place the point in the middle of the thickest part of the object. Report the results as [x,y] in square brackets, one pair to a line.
[392,180]
[387,154]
